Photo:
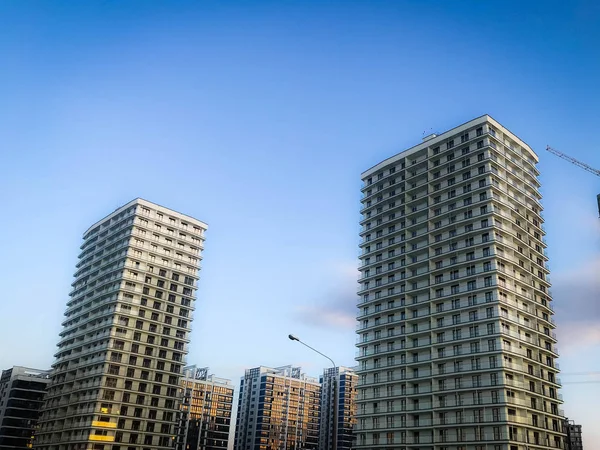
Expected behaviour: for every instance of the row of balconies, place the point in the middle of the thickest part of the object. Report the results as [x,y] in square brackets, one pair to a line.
[191,267]
[521,374]
[196,238]
[104,309]
[404,351]
[484,421]
[436,371]
[425,312]
[496,187]
[181,253]
[365,324]
[490,197]
[423,272]
[449,403]
[446,388]
[415,164]
[466,440]
[99,278]
[426,272]
[407,287]
[496,333]
[426,247]
[361,326]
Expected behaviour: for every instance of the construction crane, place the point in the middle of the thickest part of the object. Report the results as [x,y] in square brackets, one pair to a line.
[578,163]
[572,160]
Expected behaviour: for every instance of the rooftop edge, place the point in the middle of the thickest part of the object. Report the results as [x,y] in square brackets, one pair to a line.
[442,136]
[141,201]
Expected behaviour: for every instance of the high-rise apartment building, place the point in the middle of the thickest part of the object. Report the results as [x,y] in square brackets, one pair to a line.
[277,409]
[455,330]
[347,381]
[116,376]
[206,407]
[22,393]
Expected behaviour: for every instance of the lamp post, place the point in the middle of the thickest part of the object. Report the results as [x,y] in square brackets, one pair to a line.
[335,391]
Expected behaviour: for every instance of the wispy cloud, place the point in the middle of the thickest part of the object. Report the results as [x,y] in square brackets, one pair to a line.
[328,316]
[337,307]
[578,336]
[577,302]
[576,295]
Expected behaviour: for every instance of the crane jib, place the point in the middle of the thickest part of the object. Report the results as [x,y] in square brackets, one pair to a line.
[578,163]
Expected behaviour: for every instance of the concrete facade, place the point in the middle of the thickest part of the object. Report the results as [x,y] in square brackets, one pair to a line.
[456,342]
[119,362]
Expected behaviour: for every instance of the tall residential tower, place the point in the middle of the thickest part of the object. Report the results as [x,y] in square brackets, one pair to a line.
[455,330]
[119,361]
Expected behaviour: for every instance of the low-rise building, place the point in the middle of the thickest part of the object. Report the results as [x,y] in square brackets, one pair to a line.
[574,439]
[278,408]
[206,406]
[22,393]
[346,407]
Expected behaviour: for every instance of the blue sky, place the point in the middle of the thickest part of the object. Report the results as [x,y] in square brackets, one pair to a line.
[258,118]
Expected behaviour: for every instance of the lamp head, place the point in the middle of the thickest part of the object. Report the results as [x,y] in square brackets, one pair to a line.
[293,338]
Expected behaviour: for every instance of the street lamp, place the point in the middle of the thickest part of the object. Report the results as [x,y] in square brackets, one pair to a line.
[335,391]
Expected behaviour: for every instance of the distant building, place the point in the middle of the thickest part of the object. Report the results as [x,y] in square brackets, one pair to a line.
[278,409]
[206,406]
[346,404]
[22,393]
[574,441]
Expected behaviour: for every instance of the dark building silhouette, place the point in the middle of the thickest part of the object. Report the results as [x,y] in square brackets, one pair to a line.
[22,393]
[574,440]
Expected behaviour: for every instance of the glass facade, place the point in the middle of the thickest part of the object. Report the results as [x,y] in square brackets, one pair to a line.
[205,411]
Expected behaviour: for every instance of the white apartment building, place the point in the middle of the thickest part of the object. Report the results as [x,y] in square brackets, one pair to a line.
[119,362]
[456,348]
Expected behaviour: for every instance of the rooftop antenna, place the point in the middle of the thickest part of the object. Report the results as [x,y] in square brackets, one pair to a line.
[428,134]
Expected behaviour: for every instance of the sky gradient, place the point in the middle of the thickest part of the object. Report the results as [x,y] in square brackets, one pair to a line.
[258,117]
